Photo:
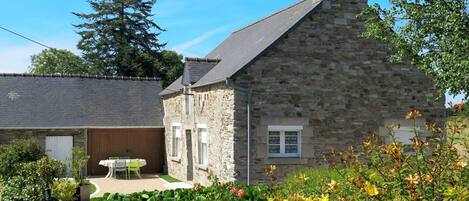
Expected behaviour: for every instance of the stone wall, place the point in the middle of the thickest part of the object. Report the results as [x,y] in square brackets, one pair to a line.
[7,135]
[213,106]
[339,86]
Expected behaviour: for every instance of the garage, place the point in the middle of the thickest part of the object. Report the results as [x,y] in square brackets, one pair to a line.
[141,143]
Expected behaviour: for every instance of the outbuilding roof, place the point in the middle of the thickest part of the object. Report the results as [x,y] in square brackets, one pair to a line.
[69,101]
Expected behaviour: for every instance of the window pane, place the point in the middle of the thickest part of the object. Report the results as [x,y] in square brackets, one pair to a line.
[274,137]
[291,149]
[274,149]
[291,139]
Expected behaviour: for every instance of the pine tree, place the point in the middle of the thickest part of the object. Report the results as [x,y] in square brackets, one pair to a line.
[119,38]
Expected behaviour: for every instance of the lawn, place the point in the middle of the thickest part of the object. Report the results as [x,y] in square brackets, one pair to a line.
[169,178]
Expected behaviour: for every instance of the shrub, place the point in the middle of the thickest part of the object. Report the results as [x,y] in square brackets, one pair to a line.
[432,170]
[17,152]
[64,190]
[78,163]
[217,191]
[305,181]
[31,180]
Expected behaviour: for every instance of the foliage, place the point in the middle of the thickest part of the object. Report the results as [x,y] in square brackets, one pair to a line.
[31,180]
[78,162]
[306,182]
[431,169]
[217,191]
[56,61]
[120,38]
[431,34]
[64,189]
[17,152]
[171,66]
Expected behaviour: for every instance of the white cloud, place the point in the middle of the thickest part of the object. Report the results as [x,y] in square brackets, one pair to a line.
[181,48]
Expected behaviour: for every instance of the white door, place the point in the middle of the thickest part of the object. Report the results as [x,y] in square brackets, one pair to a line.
[60,148]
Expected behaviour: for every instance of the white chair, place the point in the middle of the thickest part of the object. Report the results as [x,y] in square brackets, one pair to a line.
[120,166]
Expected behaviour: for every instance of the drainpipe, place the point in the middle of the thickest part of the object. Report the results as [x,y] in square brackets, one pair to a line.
[248,92]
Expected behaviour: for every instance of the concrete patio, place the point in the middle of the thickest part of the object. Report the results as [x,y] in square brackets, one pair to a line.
[127,186]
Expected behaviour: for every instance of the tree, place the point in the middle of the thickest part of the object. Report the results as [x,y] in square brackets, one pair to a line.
[119,38]
[172,66]
[56,61]
[433,35]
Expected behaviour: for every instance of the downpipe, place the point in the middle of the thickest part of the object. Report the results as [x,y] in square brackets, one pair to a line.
[248,93]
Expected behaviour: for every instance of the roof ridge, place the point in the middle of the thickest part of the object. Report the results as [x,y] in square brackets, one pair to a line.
[269,16]
[80,76]
[197,59]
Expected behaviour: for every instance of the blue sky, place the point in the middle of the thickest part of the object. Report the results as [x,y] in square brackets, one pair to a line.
[194,27]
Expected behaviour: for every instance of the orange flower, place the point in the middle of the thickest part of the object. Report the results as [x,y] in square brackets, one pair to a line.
[459,107]
[414,114]
[459,165]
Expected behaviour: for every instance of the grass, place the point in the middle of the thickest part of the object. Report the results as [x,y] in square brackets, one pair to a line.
[169,178]
[92,188]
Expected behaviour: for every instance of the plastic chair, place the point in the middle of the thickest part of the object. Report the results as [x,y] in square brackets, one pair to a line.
[120,166]
[133,166]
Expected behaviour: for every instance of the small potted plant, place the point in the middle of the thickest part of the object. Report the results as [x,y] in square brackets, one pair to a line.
[78,162]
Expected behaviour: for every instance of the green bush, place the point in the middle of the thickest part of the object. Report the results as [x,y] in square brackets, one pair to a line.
[78,163]
[17,152]
[31,180]
[217,191]
[64,189]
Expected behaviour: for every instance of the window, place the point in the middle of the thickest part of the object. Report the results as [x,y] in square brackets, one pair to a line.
[202,145]
[284,141]
[176,135]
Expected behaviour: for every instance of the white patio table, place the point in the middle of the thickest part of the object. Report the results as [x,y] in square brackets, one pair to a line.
[110,164]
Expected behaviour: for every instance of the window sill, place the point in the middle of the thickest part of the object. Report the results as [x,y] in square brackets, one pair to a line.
[201,167]
[176,159]
[286,161]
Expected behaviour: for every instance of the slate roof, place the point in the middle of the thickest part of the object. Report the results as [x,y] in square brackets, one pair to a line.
[194,69]
[57,101]
[244,45]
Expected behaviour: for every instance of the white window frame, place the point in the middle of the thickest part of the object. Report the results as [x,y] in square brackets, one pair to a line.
[200,161]
[176,148]
[282,129]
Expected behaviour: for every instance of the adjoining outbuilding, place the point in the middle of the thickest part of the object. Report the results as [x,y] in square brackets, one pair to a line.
[108,116]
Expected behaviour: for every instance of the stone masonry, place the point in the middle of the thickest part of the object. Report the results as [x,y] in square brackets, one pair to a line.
[212,105]
[7,135]
[339,86]
[322,75]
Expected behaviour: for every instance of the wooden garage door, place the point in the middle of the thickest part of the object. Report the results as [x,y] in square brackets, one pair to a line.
[142,143]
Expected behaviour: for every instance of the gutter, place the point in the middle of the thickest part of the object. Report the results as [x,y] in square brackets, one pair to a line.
[248,92]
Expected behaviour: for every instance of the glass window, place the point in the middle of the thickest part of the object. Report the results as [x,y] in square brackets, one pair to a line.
[202,146]
[284,141]
[176,141]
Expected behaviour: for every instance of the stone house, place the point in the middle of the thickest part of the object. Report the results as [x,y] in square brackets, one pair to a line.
[107,116]
[285,90]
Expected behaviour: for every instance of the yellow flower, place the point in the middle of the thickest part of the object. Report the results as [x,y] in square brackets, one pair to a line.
[333,185]
[413,179]
[303,177]
[371,189]
[459,165]
[428,178]
[322,198]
